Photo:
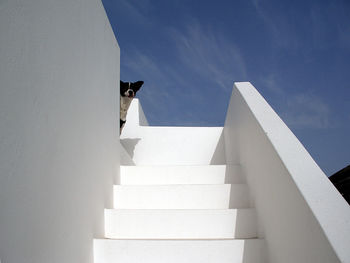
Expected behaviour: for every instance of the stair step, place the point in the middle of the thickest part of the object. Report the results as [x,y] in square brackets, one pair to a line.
[180,224]
[222,196]
[175,251]
[196,174]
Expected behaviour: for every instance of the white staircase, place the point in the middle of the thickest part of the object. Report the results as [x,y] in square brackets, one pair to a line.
[180,214]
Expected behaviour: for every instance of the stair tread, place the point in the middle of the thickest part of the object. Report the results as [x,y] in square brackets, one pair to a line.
[180,223]
[223,211]
[181,239]
[180,250]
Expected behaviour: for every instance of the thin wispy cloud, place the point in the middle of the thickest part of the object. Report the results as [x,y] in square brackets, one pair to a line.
[330,25]
[199,62]
[304,110]
[144,67]
[163,83]
[281,28]
[272,82]
[296,54]
[209,54]
[136,10]
[166,78]
[307,111]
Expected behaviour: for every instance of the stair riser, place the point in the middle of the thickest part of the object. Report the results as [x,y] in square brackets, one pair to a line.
[180,224]
[191,251]
[181,197]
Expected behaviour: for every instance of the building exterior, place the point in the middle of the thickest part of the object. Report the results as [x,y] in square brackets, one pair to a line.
[245,192]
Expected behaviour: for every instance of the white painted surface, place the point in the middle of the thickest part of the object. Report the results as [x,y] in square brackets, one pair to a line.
[180,224]
[173,193]
[300,214]
[148,145]
[165,175]
[174,145]
[59,112]
[142,118]
[220,196]
[178,251]
[135,116]
[125,158]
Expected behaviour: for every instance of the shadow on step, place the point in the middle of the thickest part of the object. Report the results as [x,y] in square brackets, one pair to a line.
[234,175]
[253,251]
[246,226]
[129,145]
[219,153]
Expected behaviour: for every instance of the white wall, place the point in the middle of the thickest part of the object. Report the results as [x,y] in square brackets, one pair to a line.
[59,107]
[135,117]
[301,215]
[149,145]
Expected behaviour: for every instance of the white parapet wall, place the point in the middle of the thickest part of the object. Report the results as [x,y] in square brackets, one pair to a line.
[59,134]
[300,214]
[153,145]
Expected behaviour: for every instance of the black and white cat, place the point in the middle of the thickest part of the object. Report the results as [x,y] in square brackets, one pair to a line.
[127,93]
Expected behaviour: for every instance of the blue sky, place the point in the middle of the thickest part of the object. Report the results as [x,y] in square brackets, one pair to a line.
[189,53]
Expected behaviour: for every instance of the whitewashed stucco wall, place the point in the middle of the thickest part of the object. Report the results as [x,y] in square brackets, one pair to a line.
[301,215]
[150,145]
[59,134]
